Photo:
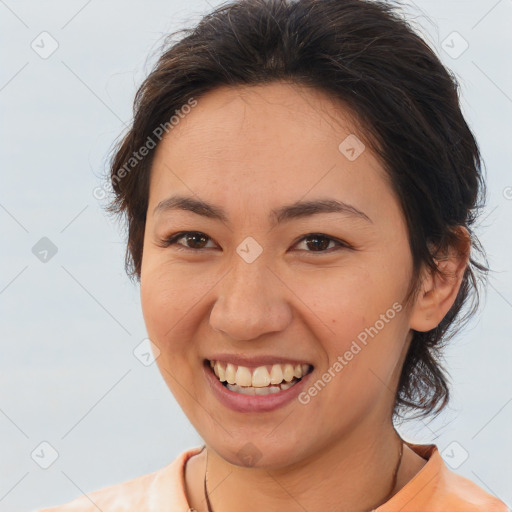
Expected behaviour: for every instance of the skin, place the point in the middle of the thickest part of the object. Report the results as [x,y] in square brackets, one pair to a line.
[249,150]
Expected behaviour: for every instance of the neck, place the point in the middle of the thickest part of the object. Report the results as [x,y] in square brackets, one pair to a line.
[356,474]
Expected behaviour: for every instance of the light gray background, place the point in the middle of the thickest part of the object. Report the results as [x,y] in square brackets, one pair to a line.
[68,375]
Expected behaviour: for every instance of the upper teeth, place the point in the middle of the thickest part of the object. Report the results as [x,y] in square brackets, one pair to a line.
[258,377]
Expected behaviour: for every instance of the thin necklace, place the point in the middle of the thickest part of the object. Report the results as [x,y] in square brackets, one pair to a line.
[395,475]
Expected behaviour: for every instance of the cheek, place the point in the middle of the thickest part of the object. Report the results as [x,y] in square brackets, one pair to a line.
[344,300]
[358,317]
[171,299]
[164,301]
[168,300]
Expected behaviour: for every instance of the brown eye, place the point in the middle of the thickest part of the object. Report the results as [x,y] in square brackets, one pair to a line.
[319,243]
[194,240]
[198,240]
[316,242]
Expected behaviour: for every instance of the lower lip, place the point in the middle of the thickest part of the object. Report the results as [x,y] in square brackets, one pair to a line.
[251,403]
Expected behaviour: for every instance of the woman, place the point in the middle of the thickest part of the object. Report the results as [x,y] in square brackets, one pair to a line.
[300,185]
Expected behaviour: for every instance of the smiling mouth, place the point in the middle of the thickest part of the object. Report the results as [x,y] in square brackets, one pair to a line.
[260,380]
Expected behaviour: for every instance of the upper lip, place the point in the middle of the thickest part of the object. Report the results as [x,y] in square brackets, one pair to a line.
[242,360]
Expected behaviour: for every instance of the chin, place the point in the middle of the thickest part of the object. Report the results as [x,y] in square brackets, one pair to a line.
[258,451]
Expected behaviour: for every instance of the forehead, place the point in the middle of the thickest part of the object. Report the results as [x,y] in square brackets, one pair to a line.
[275,143]
[276,114]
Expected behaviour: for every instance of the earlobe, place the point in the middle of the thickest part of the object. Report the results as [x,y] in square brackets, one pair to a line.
[439,290]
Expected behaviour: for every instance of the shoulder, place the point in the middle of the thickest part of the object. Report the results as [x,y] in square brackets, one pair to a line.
[467,496]
[436,488]
[152,491]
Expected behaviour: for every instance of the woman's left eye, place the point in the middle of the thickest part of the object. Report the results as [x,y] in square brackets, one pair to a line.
[316,241]
[322,242]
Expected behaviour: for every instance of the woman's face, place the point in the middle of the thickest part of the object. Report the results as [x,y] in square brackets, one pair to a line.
[262,284]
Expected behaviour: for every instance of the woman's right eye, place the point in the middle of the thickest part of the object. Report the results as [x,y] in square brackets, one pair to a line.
[196,238]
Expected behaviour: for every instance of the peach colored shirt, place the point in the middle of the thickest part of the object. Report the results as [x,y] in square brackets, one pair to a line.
[435,488]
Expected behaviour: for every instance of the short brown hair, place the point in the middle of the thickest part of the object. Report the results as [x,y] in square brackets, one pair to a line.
[364,54]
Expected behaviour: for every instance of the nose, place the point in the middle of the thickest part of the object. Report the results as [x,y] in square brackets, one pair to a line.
[251,302]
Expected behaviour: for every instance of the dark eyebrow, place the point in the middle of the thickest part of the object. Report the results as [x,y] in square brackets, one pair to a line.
[297,210]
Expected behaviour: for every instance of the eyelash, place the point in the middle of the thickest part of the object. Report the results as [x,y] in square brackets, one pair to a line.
[173,239]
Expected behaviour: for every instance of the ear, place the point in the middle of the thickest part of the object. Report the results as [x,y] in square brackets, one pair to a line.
[438,292]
